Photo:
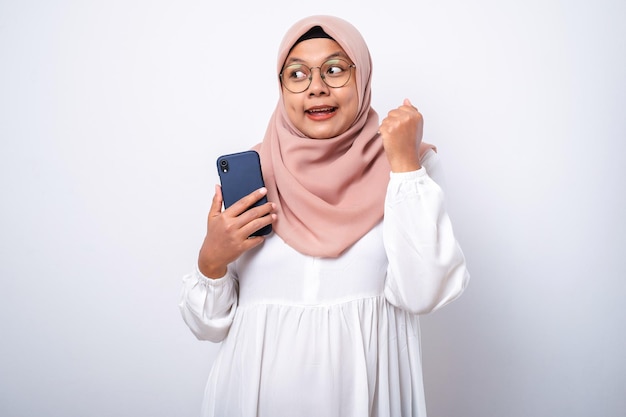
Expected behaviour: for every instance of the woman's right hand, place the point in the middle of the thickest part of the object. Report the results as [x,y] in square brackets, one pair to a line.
[228,231]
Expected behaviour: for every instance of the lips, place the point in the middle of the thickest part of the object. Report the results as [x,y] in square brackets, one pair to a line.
[320,110]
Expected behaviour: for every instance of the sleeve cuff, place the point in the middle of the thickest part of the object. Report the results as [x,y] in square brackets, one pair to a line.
[213,282]
[410,175]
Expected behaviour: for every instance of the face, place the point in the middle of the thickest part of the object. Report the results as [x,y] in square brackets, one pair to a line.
[321,112]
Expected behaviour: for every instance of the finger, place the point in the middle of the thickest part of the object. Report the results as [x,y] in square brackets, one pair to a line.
[251,242]
[258,223]
[216,204]
[407,103]
[256,212]
[246,202]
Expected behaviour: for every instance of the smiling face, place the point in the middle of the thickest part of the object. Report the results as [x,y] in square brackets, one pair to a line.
[321,112]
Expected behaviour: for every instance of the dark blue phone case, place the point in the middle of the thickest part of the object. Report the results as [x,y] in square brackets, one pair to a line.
[240,174]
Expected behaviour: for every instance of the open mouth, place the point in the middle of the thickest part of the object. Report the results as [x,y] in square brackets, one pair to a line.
[321,110]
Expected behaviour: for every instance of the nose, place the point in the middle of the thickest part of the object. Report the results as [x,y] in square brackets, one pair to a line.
[318,85]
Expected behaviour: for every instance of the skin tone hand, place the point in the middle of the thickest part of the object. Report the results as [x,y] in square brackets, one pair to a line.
[402,132]
[227,231]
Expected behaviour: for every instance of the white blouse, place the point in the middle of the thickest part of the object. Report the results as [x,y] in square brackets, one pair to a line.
[305,336]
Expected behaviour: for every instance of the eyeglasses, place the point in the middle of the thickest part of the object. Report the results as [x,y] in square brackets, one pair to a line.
[298,77]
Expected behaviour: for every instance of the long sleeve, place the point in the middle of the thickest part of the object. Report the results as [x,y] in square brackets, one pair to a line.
[208,305]
[427,268]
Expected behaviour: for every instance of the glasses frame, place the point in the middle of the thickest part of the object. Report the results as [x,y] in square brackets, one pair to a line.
[322,76]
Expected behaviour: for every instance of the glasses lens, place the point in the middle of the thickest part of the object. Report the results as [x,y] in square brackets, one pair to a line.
[336,72]
[296,77]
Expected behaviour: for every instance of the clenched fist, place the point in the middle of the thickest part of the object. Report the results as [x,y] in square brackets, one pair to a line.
[402,132]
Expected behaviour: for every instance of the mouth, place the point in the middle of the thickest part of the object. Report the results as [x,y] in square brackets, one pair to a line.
[321,111]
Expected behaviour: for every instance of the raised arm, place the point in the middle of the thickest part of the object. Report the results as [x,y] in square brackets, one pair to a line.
[427,268]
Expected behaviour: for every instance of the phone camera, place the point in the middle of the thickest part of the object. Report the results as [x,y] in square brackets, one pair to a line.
[224,165]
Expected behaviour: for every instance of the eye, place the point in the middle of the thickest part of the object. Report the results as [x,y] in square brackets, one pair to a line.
[296,73]
[335,68]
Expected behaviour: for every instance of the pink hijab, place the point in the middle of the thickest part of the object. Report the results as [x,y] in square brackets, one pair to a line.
[329,192]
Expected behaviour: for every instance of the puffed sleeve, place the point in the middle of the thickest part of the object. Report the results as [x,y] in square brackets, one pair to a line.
[427,268]
[208,305]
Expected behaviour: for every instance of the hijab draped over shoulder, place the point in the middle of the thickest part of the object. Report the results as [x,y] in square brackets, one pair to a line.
[329,192]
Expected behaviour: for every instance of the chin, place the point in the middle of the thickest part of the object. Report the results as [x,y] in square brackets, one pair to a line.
[322,133]
[321,136]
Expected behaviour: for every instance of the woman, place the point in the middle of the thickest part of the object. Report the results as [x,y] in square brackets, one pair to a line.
[320,318]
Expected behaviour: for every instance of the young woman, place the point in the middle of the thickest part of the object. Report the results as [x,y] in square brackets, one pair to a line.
[320,318]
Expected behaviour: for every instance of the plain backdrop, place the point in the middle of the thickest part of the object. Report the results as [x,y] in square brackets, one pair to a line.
[112,114]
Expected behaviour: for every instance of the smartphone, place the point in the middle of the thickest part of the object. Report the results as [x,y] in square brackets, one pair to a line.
[240,174]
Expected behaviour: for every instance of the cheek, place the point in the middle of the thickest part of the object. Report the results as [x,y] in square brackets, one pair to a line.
[353,104]
[290,106]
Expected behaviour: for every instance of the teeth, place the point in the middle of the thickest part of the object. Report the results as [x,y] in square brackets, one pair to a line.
[324,110]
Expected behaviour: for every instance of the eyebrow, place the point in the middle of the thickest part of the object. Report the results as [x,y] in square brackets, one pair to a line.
[297,60]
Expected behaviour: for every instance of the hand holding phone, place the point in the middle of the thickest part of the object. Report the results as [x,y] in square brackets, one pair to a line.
[240,174]
[229,230]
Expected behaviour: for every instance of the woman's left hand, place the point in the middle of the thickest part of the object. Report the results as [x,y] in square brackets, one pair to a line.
[402,132]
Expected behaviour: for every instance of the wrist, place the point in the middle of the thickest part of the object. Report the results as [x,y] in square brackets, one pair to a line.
[405,167]
[406,161]
[212,271]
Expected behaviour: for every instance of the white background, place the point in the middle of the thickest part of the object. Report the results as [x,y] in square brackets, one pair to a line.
[112,114]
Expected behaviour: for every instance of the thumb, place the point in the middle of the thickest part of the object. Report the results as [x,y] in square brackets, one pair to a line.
[216,204]
[407,102]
